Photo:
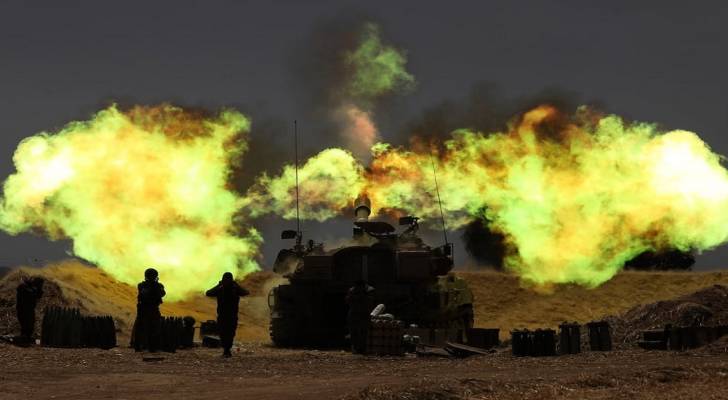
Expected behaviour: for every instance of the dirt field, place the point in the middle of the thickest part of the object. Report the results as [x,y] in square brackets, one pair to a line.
[259,372]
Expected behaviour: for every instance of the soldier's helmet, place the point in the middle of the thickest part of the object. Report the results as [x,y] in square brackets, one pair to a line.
[151,274]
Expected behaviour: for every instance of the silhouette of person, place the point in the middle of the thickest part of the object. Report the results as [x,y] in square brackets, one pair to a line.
[148,324]
[29,291]
[228,294]
[360,301]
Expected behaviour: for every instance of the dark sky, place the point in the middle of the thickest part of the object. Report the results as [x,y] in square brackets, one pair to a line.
[657,61]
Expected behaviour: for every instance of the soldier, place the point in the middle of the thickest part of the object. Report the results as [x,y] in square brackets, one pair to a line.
[228,294]
[360,301]
[28,293]
[147,327]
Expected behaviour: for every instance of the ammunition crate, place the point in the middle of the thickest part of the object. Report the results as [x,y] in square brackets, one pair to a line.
[539,343]
[569,338]
[600,338]
[384,338]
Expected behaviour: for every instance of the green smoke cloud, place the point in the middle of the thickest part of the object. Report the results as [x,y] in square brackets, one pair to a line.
[378,69]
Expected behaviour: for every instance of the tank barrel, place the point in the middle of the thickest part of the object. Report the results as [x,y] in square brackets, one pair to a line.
[362,208]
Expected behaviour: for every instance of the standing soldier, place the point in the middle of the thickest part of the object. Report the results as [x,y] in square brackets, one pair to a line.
[228,294]
[28,294]
[360,300]
[148,324]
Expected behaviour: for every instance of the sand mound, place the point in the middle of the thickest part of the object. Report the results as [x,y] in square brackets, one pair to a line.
[96,293]
[708,307]
[502,302]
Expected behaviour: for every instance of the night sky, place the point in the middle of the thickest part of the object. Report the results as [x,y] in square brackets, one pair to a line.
[660,61]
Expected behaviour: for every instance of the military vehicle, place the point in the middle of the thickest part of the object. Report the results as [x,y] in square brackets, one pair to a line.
[412,279]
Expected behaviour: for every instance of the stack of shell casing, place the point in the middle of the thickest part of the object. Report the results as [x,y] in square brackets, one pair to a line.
[177,333]
[384,337]
[538,343]
[66,327]
[98,332]
[170,332]
[600,339]
[174,333]
[569,338]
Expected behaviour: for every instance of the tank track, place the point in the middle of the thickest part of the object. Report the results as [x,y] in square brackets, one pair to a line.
[281,331]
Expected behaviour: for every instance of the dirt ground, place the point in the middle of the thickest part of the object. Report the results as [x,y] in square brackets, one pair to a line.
[260,372]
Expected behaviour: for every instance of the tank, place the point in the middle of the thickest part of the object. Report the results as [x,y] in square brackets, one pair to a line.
[412,279]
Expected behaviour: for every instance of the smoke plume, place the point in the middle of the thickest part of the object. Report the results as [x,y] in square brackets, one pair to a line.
[574,196]
[329,182]
[488,248]
[143,188]
[350,70]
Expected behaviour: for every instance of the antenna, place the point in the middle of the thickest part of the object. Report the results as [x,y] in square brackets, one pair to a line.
[295,147]
[298,219]
[439,201]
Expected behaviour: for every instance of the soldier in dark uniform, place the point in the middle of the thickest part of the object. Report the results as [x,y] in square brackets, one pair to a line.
[228,294]
[148,324]
[360,301]
[28,293]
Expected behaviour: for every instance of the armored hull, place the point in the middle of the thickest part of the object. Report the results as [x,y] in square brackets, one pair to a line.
[412,279]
